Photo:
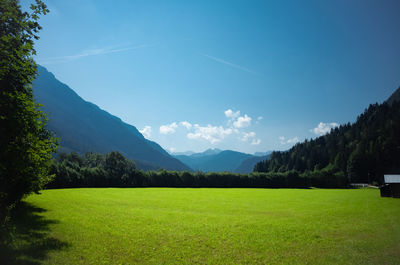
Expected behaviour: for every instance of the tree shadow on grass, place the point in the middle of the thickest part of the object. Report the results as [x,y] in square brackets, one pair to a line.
[25,240]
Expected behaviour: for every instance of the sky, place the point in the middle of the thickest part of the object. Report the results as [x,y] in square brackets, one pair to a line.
[240,75]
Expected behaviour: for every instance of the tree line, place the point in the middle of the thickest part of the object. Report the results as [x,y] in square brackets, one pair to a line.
[361,152]
[114,170]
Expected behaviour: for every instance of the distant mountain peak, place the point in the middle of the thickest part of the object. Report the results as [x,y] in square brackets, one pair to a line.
[208,152]
[213,151]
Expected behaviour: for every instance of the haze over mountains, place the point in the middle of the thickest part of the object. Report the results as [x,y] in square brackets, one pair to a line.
[217,160]
[84,127]
[247,166]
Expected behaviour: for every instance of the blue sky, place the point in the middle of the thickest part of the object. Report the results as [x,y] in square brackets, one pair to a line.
[241,75]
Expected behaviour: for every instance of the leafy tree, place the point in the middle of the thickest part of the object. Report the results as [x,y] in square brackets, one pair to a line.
[114,170]
[25,144]
[119,168]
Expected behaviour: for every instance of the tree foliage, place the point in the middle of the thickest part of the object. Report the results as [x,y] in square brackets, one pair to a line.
[114,170]
[361,152]
[25,144]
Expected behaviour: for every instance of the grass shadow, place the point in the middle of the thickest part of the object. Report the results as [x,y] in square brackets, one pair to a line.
[25,239]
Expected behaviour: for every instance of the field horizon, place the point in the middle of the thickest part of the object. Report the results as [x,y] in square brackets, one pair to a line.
[206,226]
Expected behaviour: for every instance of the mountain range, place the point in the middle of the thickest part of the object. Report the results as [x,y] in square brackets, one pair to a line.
[83,127]
[217,160]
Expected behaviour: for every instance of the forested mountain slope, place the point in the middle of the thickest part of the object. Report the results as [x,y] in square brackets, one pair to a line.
[362,151]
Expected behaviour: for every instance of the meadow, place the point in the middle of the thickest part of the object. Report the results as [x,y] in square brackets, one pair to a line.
[205,226]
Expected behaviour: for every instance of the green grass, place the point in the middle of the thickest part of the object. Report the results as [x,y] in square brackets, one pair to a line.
[207,226]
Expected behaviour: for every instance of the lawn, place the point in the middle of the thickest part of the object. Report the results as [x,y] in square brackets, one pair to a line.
[206,226]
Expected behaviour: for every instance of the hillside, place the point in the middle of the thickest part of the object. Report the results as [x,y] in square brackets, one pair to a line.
[84,127]
[247,166]
[214,160]
[363,151]
[394,97]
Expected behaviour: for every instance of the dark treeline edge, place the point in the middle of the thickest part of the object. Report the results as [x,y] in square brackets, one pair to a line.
[114,170]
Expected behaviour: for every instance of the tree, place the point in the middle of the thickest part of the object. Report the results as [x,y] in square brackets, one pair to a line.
[26,145]
[118,168]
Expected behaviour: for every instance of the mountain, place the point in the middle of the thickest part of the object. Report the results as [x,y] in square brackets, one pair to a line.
[247,165]
[186,153]
[214,160]
[262,153]
[84,127]
[394,97]
[361,152]
[208,152]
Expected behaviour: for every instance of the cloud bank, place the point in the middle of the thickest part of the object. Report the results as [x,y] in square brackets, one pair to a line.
[242,122]
[168,128]
[231,114]
[186,124]
[215,133]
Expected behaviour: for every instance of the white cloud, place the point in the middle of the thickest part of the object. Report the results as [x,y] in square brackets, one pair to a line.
[248,135]
[259,118]
[146,131]
[324,128]
[293,140]
[168,128]
[172,149]
[213,134]
[242,121]
[231,114]
[186,124]
[238,121]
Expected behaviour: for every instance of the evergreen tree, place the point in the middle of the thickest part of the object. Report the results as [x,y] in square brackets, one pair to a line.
[360,152]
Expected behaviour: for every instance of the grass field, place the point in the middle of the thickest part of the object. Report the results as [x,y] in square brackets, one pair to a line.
[206,226]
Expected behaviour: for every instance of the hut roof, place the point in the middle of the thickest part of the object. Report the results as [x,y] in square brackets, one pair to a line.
[392,178]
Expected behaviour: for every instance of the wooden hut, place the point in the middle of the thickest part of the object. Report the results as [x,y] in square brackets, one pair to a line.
[391,187]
